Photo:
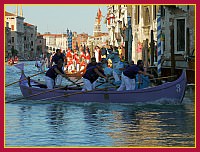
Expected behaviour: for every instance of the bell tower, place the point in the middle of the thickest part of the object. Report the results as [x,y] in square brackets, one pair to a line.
[97,24]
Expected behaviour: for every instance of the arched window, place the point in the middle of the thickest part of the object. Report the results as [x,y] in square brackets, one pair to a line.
[146,16]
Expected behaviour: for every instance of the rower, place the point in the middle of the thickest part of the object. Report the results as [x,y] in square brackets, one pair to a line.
[57,56]
[129,74]
[52,73]
[91,75]
[92,63]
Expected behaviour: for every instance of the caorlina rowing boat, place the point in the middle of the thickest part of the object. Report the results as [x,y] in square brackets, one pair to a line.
[170,91]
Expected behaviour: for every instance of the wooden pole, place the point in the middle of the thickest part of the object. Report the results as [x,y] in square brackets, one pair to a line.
[146,53]
[188,42]
[173,64]
[152,49]
[126,44]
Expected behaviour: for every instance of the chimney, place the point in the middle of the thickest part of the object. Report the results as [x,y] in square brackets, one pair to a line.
[16,10]
[21,11]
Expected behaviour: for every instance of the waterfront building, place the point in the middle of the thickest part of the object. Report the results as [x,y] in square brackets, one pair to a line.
[144,32]
[30,38]
[82,40]
[55,41]
[41,45]
[178,29]
[17,32]
[23,35]
[116,23]
[8,52]
[74,41]
[177,33]
[179,19]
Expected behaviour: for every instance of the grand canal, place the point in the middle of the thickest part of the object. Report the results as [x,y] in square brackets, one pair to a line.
[52,124]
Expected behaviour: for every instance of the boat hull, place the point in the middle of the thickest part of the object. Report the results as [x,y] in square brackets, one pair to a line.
[168,92]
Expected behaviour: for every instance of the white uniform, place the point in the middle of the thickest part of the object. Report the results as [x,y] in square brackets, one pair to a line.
[127,83]
[88,86]
[49,82]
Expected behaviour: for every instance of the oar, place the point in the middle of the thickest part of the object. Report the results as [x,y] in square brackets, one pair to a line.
[24,79]
[75,93]
[36,94]
[164,77]
[101,83]
[73,82]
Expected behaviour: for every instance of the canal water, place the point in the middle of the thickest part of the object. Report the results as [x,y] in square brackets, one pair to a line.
[55,124]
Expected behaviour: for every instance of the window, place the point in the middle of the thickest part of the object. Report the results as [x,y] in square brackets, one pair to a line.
[154,12]
[31,43]
[137,15]
[13,39]
[12,27]
[146,17]
[180,34]
[162,11]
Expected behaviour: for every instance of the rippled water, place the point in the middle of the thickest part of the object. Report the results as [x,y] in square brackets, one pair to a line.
[32,123]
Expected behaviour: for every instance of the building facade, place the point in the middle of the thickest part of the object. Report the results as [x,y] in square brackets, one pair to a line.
[30,41]
[179,32]
[82,39]
[55,41]
[140,39]
[17,32]
[116,23]
[144,31]
[8,52]
[41,45]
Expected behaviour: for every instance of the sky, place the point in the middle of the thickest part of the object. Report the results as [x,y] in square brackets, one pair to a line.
[57,18]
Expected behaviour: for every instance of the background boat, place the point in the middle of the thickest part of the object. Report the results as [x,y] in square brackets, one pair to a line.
[76,74]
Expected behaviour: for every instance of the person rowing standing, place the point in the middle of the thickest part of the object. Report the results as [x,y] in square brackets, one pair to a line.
[57,56]
[91,75]
[92,63]
[52,73]
[129,74]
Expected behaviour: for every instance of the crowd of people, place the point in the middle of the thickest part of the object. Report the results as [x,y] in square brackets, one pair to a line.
[107,63]
[13,60]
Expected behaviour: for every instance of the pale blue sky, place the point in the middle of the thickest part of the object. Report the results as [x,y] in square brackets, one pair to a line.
[57,18]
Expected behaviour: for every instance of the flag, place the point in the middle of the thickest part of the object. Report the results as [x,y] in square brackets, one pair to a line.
[20,66]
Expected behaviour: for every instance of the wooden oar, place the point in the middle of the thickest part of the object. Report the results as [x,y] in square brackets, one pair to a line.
[109,82]
[36,94]
[164,77]
[75,93]
[73,82]
[24,79]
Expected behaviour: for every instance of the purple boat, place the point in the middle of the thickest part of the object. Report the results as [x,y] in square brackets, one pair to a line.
[169,92]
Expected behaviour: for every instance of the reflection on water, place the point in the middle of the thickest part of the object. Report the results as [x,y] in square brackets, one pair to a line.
[31,123]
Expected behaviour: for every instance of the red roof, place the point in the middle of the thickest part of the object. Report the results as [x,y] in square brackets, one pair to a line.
[54,35]
[9,14]
[27,24]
